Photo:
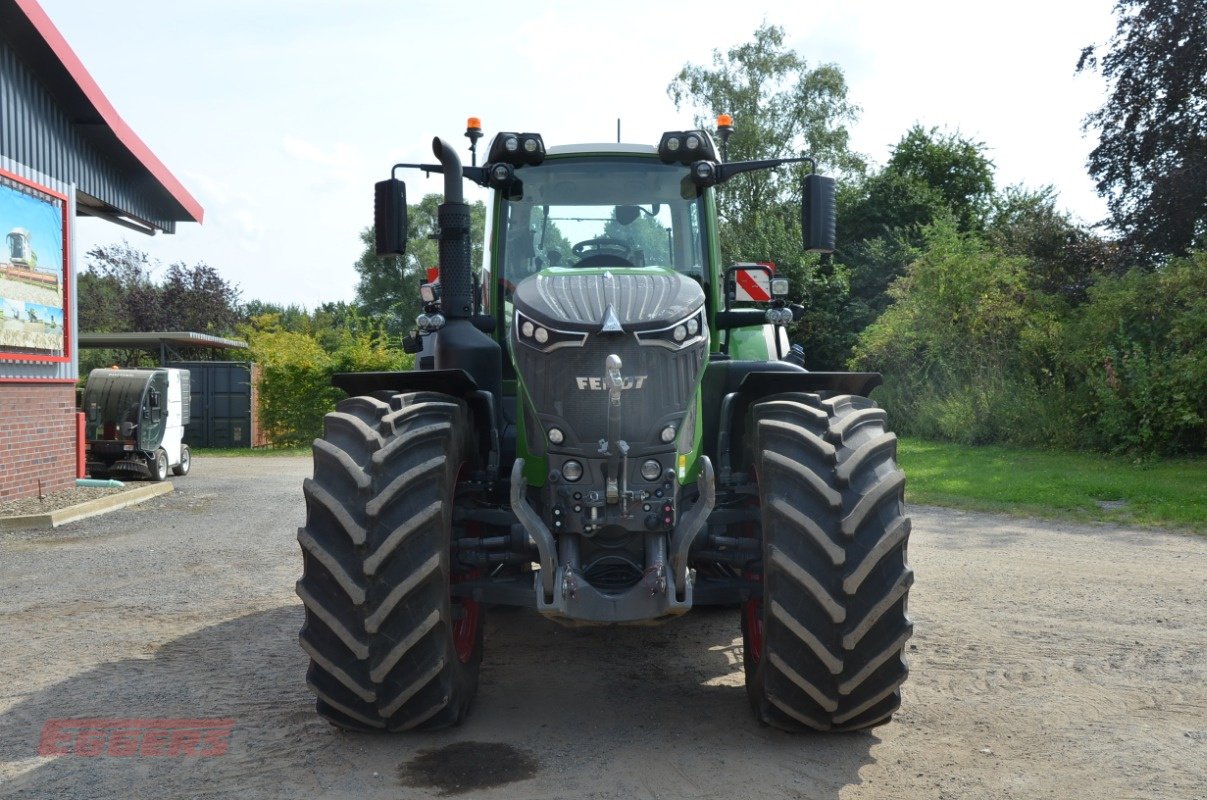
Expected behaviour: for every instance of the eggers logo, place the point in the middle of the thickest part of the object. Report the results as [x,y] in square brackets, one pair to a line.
[135,737]
[636,382]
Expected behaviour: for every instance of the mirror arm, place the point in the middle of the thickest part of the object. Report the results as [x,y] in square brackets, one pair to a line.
[727,171]
[475,174]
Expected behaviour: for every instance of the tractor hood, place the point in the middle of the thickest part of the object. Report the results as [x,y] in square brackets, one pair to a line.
[620,300]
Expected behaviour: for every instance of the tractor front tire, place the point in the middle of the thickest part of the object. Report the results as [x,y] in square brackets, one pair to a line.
[389,648]
[824,645]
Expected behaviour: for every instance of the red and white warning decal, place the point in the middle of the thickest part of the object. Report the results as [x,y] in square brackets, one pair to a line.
[753,285]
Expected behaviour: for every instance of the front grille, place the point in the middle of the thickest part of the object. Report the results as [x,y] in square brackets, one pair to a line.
[669,380]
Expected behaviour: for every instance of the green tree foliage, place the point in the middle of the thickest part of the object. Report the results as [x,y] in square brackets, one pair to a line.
[118,292]
[930,175]
[1139,350]
[298,354]
[781,107]
[952,168]
[974,350]
[1151,158]
[964,345]
[388,288]
[1065,257]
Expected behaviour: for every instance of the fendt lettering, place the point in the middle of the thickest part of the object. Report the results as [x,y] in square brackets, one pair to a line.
[498,473]
[599,384]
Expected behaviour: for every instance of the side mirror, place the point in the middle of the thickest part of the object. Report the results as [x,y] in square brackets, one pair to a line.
[817,214]
[390,217]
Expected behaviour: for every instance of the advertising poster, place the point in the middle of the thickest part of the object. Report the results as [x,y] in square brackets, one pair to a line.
[32,272]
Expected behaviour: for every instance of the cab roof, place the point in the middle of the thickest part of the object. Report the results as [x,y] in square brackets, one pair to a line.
[602,147]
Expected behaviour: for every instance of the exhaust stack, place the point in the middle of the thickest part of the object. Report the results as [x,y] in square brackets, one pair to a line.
[456,271]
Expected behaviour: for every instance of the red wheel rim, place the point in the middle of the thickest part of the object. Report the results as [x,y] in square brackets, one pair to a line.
[465,630]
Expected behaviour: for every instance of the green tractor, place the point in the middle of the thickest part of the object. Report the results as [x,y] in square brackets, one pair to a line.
[602,427]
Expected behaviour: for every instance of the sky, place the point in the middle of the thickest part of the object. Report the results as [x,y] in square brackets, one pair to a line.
[279,115]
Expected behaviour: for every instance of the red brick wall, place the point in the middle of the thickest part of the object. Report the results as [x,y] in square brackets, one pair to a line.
[37,438]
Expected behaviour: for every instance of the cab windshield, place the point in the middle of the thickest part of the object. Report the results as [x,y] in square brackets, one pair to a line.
[602,212]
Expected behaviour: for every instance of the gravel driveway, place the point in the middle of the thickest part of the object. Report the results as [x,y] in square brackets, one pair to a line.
[1049,660]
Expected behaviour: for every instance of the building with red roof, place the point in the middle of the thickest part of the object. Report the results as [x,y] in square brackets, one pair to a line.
[64,153]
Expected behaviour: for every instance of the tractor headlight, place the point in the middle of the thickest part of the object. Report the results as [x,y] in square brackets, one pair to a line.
[556,436]
[681,334]
[686,147]
[544,339]
[668,434]
[516,149]
[572,471]
[651,470]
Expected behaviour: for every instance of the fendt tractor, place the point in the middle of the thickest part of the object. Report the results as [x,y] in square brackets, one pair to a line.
[608,426]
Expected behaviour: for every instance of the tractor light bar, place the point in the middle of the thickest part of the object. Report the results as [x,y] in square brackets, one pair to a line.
[686,147]
[517,149]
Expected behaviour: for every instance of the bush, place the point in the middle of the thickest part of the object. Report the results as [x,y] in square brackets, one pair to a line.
[974,352]
[1139,348]
[968,351]
[295,388]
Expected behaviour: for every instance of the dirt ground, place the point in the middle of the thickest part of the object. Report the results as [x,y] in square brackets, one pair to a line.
[1049,661]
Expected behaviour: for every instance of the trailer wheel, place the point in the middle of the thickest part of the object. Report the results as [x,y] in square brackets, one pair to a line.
[159,466]
[186,459]
[389,648]
[824,645]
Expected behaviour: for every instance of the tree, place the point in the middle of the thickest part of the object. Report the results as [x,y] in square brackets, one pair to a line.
[197,298]
[389,285]
[117,291]
[781,108]
[929,176]
[954,168]
[1151,158]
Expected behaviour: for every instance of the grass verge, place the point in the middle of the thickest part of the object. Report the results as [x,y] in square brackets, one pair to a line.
[231,452]
[1078,486]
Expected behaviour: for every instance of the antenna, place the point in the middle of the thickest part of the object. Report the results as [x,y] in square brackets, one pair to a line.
[618,130]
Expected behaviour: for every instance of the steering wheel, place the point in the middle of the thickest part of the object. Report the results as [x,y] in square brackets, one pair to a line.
[602,251]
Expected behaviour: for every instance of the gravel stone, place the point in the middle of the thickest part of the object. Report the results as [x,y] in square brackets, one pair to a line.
[56,501]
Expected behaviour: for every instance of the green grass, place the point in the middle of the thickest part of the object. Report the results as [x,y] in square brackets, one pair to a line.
[231,452]
[1171,493]
[1011,480]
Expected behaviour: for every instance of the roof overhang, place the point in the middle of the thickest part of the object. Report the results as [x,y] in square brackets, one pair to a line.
[38,42]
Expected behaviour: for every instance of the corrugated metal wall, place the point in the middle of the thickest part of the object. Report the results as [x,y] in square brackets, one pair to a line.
[34,131]
[66,369]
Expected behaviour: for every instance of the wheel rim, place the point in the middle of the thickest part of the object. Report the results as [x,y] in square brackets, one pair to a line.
[465,630]
[752,612]
[161,465]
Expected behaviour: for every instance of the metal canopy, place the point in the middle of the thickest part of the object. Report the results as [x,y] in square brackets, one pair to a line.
[166,342]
